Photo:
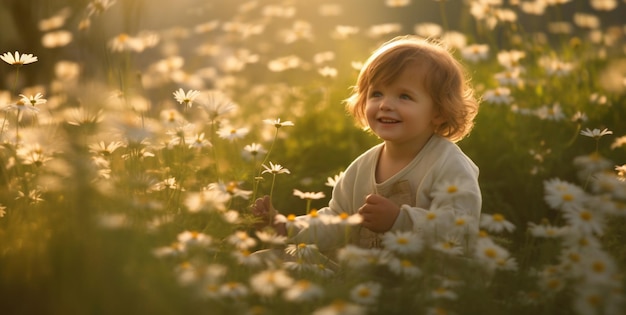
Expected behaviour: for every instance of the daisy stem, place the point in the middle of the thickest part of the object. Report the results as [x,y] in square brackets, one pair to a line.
[271,215]
[267,156]
[17,127]
[308,206]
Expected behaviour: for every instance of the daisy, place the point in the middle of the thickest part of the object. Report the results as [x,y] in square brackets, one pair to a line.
[341,307]
[172,250]
[596,133]
[443,293]
[585,220]
[198,141]
[599,268]
[233,290]
[216,104]
[495,223]
[490,253]
[546,230]
[230,133]
[328,72]
[245,257]
[449,245]
[366,293]
[103,149]
[194,238]
[332,181]
[254,149]
[346,219]
[404,267]
[268,282]
[96,7]
[475,52]
[241,240]
[231,188]
[498,96]
[561,195]
[428,30]
[206,200]
[618,142]
[17,59]
[271,237]
[168,183]
[302,291]
[302,250]
[33,154]
[275,169]
[308,195]
[397,3]
[403,242]
[186,98]
[284,63]
[509,77]
[33,100]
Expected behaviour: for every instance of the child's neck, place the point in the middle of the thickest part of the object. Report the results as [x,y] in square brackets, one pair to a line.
[395,157]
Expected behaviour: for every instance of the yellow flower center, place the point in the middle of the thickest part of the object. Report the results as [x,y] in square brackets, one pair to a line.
[498,217]
[402,241]
[452,189]
[568,197]
[343,215]
[586,215]
[490,252]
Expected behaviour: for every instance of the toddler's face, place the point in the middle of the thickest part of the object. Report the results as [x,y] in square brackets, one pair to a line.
[402,112]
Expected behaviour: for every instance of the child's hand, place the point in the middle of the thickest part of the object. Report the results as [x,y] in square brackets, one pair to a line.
[379,213]
[262,209]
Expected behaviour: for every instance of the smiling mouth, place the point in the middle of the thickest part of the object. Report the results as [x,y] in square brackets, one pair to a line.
[388,121]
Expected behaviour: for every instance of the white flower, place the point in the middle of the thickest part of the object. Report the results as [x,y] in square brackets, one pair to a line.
[233,289]
[492,255]
[332,181]
[340,307]
[403,242]
[275,169]
[194,238]
[366,293]
[449,245]
[302,250]
[186,98]
[585,220]
[596,133]
[35,100]
[277,123]
[17,59]
[271,237]
[241,240]
[308,195]
[495,223]
[268,282]
[303,290]
[230,133]
[545,230]
[404,267]
[444,293]
[562,195]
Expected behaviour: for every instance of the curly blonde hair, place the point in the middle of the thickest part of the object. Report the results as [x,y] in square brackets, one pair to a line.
[445,80]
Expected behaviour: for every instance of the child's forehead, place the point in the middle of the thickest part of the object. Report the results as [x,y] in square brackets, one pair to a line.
[417,70]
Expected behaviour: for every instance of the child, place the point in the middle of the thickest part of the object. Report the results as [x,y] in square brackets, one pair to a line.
[413,95]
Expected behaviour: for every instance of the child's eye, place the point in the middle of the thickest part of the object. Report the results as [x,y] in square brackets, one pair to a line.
[375,94]
[405,97]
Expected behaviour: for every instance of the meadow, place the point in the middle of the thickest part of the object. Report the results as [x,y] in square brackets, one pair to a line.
[136,134]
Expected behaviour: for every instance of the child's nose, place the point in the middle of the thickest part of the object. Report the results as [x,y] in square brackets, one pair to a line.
[385,104]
